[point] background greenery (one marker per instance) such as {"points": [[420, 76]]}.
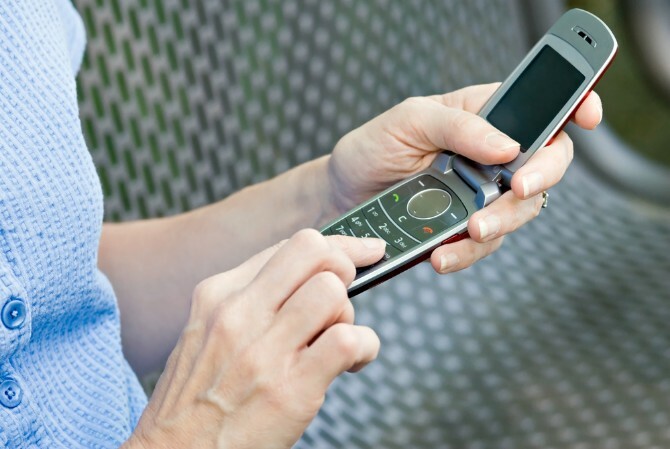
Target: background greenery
{"points": [[638, 114]]}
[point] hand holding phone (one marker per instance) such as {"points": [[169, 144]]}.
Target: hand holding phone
{"points": [[433, 206]]}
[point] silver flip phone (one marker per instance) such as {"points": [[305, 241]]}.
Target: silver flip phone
{"points": [[432, 207]]}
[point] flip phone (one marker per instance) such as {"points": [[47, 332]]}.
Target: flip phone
{"points": [[531, 106]]}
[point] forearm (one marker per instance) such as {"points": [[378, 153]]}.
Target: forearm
{"points": [[155, 264], [222, 235]]}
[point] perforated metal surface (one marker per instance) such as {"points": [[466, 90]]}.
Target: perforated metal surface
{"points": [[558, 341], [185, 102]]}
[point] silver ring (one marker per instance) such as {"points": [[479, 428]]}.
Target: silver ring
{"points": [[545, 199]]}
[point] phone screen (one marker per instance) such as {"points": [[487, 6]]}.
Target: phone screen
{"points": [[536, 97]]}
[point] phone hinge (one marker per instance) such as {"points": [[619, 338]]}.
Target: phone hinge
{"points": [[488, 181], [485, 180]]}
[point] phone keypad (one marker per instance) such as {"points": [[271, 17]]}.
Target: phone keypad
{"points": [[386, 228], [389, 217], [360, 226]]}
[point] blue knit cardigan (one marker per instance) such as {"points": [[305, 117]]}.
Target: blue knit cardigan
{"points": [[63, 379]]}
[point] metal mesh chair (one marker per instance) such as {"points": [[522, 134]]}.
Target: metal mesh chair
{"points": [[560, 340]]}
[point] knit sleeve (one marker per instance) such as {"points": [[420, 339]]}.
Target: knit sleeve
{"points": [[75, 34]]}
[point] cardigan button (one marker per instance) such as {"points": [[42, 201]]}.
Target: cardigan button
{"points": [[14, 313], [10, 393]]}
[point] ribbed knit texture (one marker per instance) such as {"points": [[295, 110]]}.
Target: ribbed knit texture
{"points": [[78, 390]]}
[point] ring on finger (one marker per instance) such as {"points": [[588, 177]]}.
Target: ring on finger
{"points": [[545, 199]]}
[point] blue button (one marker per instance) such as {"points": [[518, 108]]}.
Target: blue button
{"points": [[10, 393], [14, 313]]}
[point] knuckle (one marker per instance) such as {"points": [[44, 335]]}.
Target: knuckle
{"points": [[453, 99], [329, 283], [205, 296], [225, 324], [323, 258], [340, 241], [413, 103], [473, 256], [210, 293], [331, 287], [463, 121], [345, 341], [348, 268], [348, 311], [333, 258], [309, 238], [205, 289]]}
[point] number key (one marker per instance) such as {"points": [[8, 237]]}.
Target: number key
{"points": [[341, 228], [360, 226]]}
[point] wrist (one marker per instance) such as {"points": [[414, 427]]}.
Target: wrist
{"points": [[322, 192], [355, 174]]}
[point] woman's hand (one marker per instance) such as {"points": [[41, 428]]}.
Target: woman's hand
{"points": [[406, 139], [262, 344]]}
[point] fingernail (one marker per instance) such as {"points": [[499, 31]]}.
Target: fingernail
{"points": [[372, 243], [500, 141], [533, 183], [448, 261], [489, 226]]}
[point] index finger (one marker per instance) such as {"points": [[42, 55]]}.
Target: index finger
{"points": [[590, 112], [306, 254]]}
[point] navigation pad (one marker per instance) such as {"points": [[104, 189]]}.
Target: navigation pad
{"points": [[411, 213]]}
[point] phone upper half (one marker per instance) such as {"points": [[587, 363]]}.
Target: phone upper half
{"points": [[551, 81]]}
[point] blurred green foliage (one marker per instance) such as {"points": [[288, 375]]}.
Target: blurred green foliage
{"points": [[638, 114]]}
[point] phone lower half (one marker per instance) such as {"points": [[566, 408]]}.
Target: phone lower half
{"points": [[414, 217]]}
